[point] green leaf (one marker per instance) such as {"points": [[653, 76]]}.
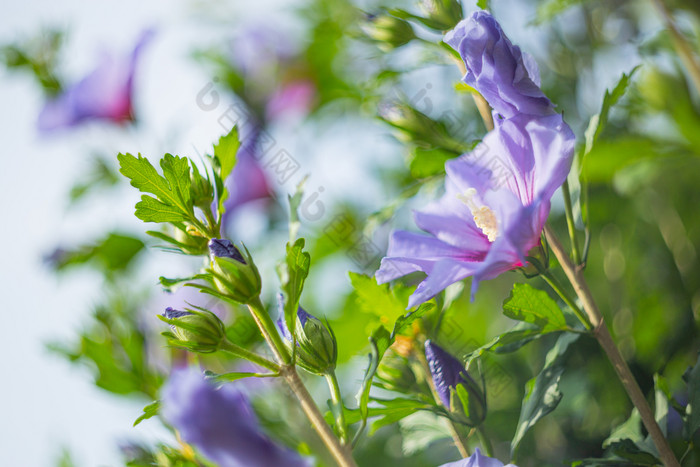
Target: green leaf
{"points": [[530, 305], [375, 299], [380, 341], [420, 429], [598, 121], [114, 253], [483, 4], [692, 411], [173, 203], [403, 323], [294, 202], [542, 394], [629, 451], [225, 152], [429, 162], [549, 9], [234, 376], [292, 273], [149, 411]]}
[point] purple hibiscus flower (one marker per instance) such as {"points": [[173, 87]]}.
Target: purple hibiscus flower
{"points": [[497, 197], [507, 77], [104, 94], [477, 460], [220, 423]]}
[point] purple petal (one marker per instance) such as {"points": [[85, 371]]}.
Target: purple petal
{"points": [[219, 423], [477, 460]]}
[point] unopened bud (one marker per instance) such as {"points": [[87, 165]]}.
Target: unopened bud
{"points": [[317, 349], [235, 274], [442, 15], [196, 330], [389, 31], [457, 391]]}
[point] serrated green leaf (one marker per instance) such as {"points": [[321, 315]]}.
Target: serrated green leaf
{"points": [[173, 203], [598, 121], [149, 411], [530, 305], [225, 152], [542, 394], [375, 299], [403, 323], [292, 273]]}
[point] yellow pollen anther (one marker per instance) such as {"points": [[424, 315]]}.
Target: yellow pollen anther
{"points": [[484, 217]]}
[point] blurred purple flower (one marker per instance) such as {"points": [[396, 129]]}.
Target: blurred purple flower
{"points": [[477, 460], [497, 197], [295, 97], [104, 94], [508, 78], [220, 423]]}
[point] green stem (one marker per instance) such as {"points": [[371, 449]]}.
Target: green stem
{"points": [[570, 222], [269, 331], [602, 334], [230, 347], [485, 442], [554, 284], [337, 399]]}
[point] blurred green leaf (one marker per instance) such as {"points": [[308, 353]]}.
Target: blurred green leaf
{"points": [[292, 273], [151, 410], [692, 411], [114, 253], [542, 394]]}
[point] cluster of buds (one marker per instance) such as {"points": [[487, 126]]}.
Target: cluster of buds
{"points": [[234, 274], [458, 392], [317, 349], [195, 330]]}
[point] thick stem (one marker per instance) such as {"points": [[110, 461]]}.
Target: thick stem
{"points": [[602, 334], [269, 332], [341, 454], [338, 403], [238, 351], [273, 339], [685, 52]]}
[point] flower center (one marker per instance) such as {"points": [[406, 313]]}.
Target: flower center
{"points": [[484, 217]]}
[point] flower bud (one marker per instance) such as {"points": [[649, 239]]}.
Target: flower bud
{"points": [[457, 391], [389, 31], [317, 349], [442, 14], [235, 275], [396, 373], [199, 331]]}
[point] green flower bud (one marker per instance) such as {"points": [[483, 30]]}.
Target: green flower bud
{"points": [[199, 331], [396, 373], [235, 275], [442, 15], [317, 349], [388, 31]]}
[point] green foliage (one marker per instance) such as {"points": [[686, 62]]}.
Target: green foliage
{"points": [[150, 411], [549, 9], [172, 190], [692, 411], [542, 394], [112, 254], [293, 272], [224, 158], [530, 305]]}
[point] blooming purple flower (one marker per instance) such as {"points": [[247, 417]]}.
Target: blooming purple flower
{"points": [[104, 94], [447, 372], [477, 460], [497, 197], [220, 423], [505, 76]]}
